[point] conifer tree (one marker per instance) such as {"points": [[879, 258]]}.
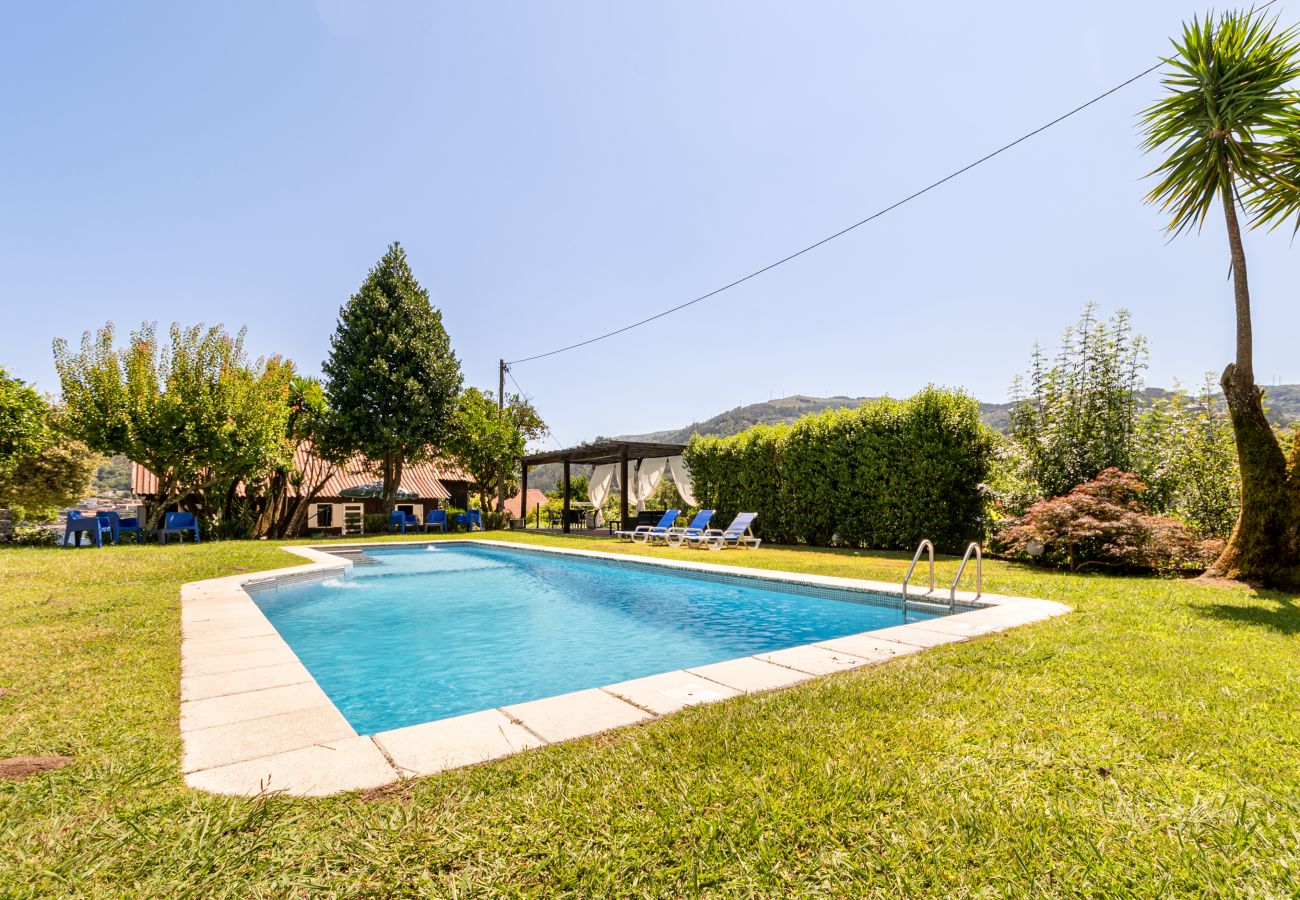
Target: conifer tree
{"points": [[391, 378]]}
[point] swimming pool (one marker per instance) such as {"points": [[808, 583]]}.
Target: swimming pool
{"points": [[427, 632]]}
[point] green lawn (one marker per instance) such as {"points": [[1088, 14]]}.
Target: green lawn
{"points": [[1147, 744]]}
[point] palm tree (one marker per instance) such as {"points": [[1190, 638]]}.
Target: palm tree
{"points": [[1228, 124]]}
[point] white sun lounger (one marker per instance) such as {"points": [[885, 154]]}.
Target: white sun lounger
{"points": [[737, 534]]}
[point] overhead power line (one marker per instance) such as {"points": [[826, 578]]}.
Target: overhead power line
{"points": [[523, 393], [858, 224]]}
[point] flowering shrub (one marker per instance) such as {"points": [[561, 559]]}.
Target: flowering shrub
{"points": [[1104, 522]]}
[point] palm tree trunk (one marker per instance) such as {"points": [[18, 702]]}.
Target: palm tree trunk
{"points": [[1245, 364], [1265, 544]]}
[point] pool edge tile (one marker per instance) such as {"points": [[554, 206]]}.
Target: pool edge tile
{"points": [[814, 660], [316, 770], [466, 740], [242, 681], [869, 647], [221, 745], [750, 675], [576, 714], [914, 634], [248, 706], [670, 692]]}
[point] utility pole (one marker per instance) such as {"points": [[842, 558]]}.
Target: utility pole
{"points": [[501, 411]]}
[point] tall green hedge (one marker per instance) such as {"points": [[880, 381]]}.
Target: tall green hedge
{"points": [[884, 475]]}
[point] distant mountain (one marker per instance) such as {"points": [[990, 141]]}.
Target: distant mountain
{"points": [[734, 421], [785, 411], [1283, 402]]}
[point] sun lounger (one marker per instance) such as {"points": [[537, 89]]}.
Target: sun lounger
{"points": [[677, 536], [737, 534], [643, 533]]}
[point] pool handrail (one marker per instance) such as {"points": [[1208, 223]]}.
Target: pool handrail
{"points": [[926, 545], [979, 574]]}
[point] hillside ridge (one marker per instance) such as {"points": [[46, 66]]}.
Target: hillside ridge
{"points": [[1282, 402]]}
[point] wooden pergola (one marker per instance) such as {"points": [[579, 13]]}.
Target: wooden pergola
{"points": [[599, 453]]}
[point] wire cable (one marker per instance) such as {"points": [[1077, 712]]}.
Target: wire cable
{"points": [[524, 394], [843, 231]]}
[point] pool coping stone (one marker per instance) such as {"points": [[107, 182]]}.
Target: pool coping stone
{"points": [[253, 719]]}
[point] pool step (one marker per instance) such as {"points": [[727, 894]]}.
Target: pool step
{"points": [[356, 557]]}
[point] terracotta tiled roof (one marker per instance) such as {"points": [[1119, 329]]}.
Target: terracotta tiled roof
{"points": [[142, 480], [535, 499], [425, 479]]}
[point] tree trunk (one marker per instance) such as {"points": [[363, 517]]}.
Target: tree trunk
{"points": [[1265, 544], [228, 507], [392, 474], [162, 500], [268, 519]]}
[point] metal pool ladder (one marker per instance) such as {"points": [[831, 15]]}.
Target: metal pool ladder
{"points": [[979, 574], [924, 545]]}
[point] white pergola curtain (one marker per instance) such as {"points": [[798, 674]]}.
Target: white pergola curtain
{"points": [[682, 478], [645, 480], [602, 479]]}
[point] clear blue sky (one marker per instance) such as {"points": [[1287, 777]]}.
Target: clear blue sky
{"points": [[556, 170]]}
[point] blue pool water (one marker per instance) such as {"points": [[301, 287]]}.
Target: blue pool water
{"points": [[431, 632]]}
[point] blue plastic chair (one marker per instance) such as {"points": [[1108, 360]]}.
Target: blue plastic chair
{"points": [[646, 532], [470, 519], [109, 519], [120, 526], [436, 518], [178, 523], [129, 525], [398, 519], [77, 525]]}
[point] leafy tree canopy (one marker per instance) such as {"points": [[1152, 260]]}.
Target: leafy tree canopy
{"points": [[287, 492], [391, 378], [57, 476], [488, 440], [24, 428], [193, 410], [1229, 118]]}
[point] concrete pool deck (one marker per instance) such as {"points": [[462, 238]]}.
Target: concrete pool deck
{"points": [[253, 719]]}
